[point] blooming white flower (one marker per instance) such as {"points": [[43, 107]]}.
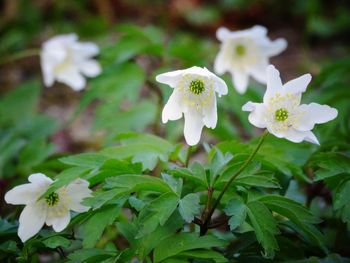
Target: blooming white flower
{"points": [[54, 209], [66, 60], [281, 112], [194, 95], [246, 53]]}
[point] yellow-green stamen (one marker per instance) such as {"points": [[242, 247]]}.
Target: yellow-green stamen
{"points": [[240, 50], [197, 86], [281, 114], [52, 199]]}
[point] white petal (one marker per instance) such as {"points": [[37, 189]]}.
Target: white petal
{"points": [[210, 117], [76, 192], [258, 71], [47, 71], [23, 194], [313, 113], [72, 78], [170, 78], [193, 127], [258, 31], [240, 81], [85, 49], [299, 136], [222, 33], [257, 113], [219, 84], [172, 109], [220, 65], [31, 220], [60, 222], [90, 68], [273, 48], [39, 178], [274, 83], [298, 85]]}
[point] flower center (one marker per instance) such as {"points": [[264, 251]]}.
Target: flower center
{"points": [[240, 50], [281, 114], [52, 199], [196, 86]]}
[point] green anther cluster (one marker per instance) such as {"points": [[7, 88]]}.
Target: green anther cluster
{"points": [[240, 50], [281, 114], [197, 86], [52, 199]]}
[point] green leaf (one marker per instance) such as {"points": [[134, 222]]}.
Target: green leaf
{"points": [[65, 177], [56, 241], [90, 255], [157, 213], [189, 207], [265, 227], [137, 183], [218, 163], [195, 173], [150, 241], [144, 148], [20, 103], [204, 254], [331, 164], [87, 160], [289, 208], [237, 210], [341, 201], [97, 223], [182, 242], [174, 183]]}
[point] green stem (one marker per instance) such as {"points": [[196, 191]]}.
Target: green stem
{"points": [[188, 155], [20, 55], [207, 219]]}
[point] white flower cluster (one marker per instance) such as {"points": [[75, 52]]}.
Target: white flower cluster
{"points": [[243, 54]]}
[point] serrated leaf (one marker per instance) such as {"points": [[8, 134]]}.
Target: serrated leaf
{"points": [[56, 241], [189, 207], [237, 210], [182, 242], [96, 224], [265, 227], [137, 183], [156, 213], [204, 254], [88, 160], [144, 148]]}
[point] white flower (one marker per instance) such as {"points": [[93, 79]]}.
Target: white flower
{"points": [[281, 112], [54, 209], [194, 95], [66, 60], [246, 53]]}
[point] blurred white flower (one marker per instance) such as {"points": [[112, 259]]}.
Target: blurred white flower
{"points": [[66, 60], [194, 95], [54, 209], [246, 53], [281, 112]]}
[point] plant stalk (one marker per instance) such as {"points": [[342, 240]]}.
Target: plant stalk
{"points": [[20, 55], [207, 219]]}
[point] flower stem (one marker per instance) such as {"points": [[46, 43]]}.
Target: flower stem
{"points": [[188, 155], [207, 218], [20, 55]]}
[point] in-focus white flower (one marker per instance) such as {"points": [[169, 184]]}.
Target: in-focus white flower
{"points": [[52, 210], [66, 60], [194, 95], [281, 112], [246, 53]]}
